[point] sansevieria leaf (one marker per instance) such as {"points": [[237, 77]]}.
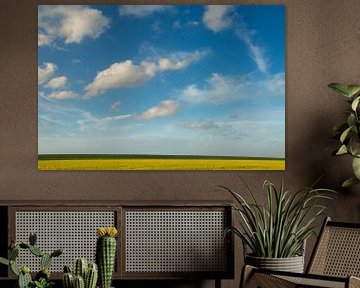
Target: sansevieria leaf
{"points": [[349, 182], [279, 228]]}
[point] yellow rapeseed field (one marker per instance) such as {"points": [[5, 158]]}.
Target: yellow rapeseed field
{"points": [[161, 164]]}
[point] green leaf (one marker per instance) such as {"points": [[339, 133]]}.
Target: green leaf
{"points": [[345, 134], [351, 120], [349, 182], [36, 251], [45, 261], [342, 150], [353, 89], [14, 268], [354, 145], [355, 103], [32, 238], [356, 167], [4, 261], [340, 88], [13, 253]]}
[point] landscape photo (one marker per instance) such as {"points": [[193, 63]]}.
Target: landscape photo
{"points": [[161, 87]]}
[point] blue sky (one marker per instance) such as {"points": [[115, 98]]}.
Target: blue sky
{"points": [[152, 79]]}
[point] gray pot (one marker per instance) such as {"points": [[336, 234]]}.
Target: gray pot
{"points": [[291, 264]]}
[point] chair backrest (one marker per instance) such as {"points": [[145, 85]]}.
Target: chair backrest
{"points": [[337, 251]]}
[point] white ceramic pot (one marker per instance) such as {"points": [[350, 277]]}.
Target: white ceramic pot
{"points": [[291, 264]]}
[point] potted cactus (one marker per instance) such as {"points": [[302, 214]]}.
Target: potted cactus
{"points": [[42, 278], [106, 254], [85, 275]]}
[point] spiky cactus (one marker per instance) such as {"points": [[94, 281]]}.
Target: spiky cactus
{"points": [[84, 274], [106, 254], [23, 273], [24, 280], [91, 276], [79, 282], [80, 267]]}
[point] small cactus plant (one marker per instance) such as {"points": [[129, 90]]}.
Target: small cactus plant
{"points": [[91, 276], [81, 267], [85, 275], [106, 254], [79, 282], [42, 278]]}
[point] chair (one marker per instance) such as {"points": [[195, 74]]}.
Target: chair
{"points": [[335, 262]]}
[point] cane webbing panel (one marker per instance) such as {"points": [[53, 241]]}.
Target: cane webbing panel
{"points": [[260, 280], [175, 241], [338, 252], [75, 231], [312, 282]]}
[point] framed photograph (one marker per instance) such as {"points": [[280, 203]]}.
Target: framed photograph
{"points": [[161, 87]]}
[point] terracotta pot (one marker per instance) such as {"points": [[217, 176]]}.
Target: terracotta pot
{"points": [[291, 264]]}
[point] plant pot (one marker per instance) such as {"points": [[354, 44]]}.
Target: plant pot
{"points": [[291, 264]]}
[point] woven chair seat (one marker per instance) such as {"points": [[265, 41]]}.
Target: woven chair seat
{"points": [[314, 282]]}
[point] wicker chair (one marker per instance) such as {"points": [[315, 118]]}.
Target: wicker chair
{"points": [[334, 263]]}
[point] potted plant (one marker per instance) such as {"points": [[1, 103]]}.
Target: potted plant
{"points": [[276, 233], [84, 274], [348, 132], [42, 278]]}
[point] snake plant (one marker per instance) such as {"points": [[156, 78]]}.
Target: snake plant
{"points": [[279, 228], [348, 133]]}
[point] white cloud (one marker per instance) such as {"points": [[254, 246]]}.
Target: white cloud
{"points": [[276, 83], [62, 95], [115, 107], [218, 89], [128, 74], [222, 89], [142, 10], [180, 60], [46, 120], [165, 108], [217, 17], [89, 121], [122, 74], [200, 125], [45, 72], [256, 52], [57, 82], [179, 25], [44, 40], [70, 23]]}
